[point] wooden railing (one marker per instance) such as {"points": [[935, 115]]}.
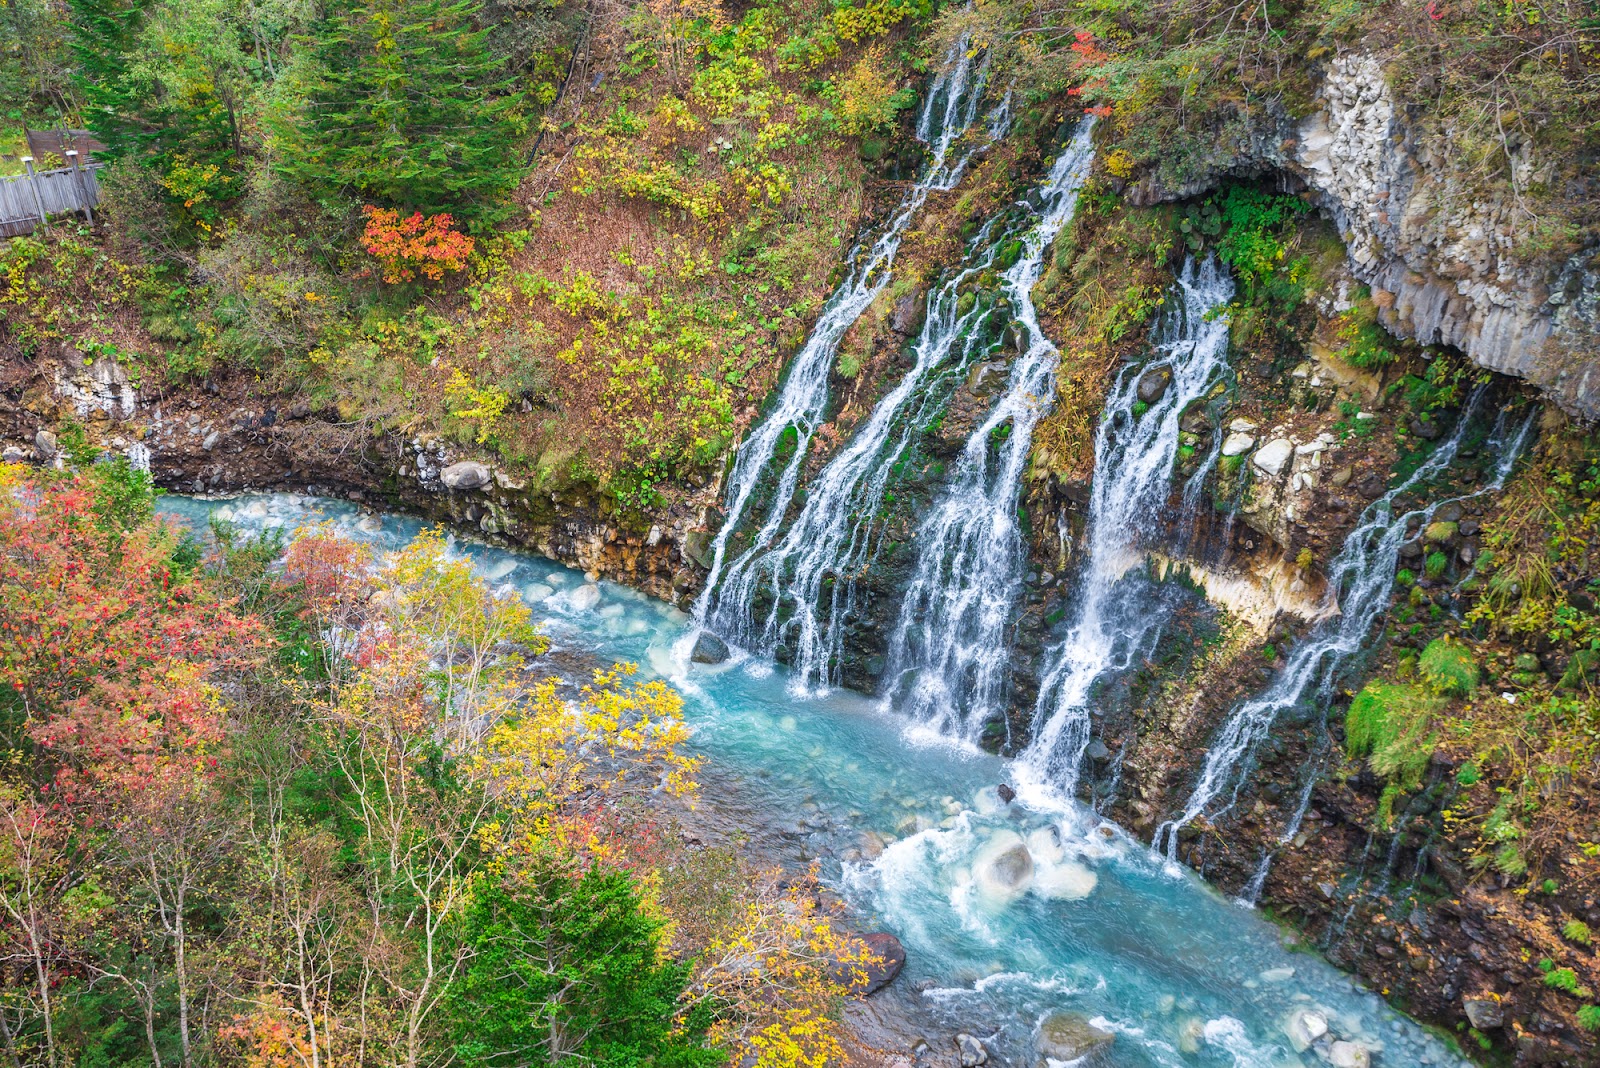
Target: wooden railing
{"points": [[28, 200]]}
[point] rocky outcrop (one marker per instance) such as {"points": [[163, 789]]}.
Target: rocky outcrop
{"points": [[1447, 261]]}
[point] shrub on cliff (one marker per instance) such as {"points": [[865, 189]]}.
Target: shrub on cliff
{"points": [[1449, 668]]}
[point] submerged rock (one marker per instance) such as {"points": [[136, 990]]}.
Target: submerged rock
{"points": [[1303, 1027], [585, 597], [1067, 881], [1066, 1036], [1003, 868], [709, 649], [1349, 1055]]}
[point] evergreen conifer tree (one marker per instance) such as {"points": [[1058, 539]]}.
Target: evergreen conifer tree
{"points": [[403, 103]]}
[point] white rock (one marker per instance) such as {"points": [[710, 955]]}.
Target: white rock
{"points": [[1349, 1055], [585, 597], [1271, 457], [536, 593], [1277, 975], [1237, 443], [1303, 1027], [971, 1050], [370, 524], [468, 474], [500, 570], [1003, 868], [1241, 425]]}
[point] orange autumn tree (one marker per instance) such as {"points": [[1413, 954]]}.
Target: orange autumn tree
{"points": [[404, 247], [108, 650]]}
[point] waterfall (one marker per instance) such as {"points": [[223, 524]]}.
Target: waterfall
{"points": [[947, 114], [1134, 457], [1364, 571], [830, 540], [948, 653]]}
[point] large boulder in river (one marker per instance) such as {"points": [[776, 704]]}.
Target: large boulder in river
{"points": [[1153, 384], [1003, 868], [1067, 1036], [466, 475], [709, 649]]}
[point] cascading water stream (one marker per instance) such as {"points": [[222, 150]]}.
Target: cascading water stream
{"points": [[947, 114], [1361, 579], [1134, 458], [812, 568], [831, 538], [948, 654]]}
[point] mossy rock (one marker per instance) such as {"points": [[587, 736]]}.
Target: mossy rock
{"points": [[874, 148], [1010, 253], [1582, 669], [1449, 668]]}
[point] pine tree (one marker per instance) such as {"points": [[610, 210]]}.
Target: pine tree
{"points": [[403, 103]]}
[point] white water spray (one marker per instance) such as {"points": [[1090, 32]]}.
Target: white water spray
{"points": [[948, 654], [1134, 458]]}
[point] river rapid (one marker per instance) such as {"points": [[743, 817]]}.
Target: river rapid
{"points": [[912, 832]]}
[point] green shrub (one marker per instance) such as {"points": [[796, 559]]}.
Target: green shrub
{"points": [[1589, 1018], [1449, 668], [1576, 931], [1435, 565], [1468, 774], [1391, 725], [1562, 979]]}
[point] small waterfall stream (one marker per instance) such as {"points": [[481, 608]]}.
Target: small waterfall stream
{"points": [[832, 537], [948, 654], [812, 568], [1135, 453], [947, 114], [1360, 580]]}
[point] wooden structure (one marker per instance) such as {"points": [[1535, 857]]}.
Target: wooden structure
{"points": [[28, 200]]}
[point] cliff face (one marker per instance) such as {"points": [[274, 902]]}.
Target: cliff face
{"points": [[1447, 263]]}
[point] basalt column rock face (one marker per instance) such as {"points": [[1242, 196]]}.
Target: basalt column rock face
{"points": [[1445, 256]]}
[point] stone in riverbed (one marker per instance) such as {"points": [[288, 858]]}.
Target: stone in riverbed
{"points": [[1303, 1027], [1349, 1055], [585, 597], [1006, 793], [709, 649], [889, 956], [466, 475], [1003, 868], [1153, 384], [1067, 1036], [971, 1051], [1067, 881]]}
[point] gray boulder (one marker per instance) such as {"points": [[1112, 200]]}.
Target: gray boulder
{"points": [[1272, 457], [466, 475], [1484, 1013], [971, 1051], [44, 443], [709, 649], [1153, 384]]}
